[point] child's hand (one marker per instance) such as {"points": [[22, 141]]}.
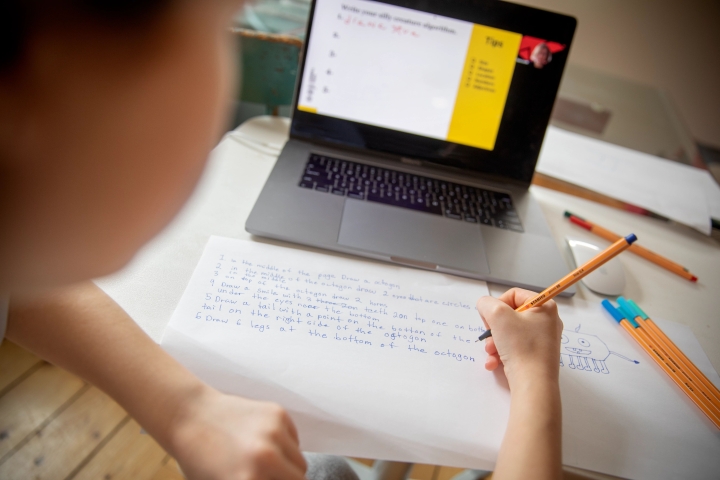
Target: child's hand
{"points": [[527, 344], [226, 437]]}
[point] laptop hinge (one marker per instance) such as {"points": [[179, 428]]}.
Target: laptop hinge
{"points": [[411, 161]]}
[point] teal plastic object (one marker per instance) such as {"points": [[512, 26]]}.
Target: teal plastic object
{"points": [[626, 307], [628, 314], [638, 310], [618, 314], [269, 66]]}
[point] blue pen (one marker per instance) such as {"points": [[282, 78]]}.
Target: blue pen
{"points": [[667, 364], [618, 315]]}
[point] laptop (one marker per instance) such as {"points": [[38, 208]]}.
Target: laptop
{"points": [[415, 132]]}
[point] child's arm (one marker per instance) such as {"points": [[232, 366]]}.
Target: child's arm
{"points": [[212, 435], [527, 345]]}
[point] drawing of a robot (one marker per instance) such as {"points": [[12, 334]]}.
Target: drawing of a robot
{"points": [[583, 351]]}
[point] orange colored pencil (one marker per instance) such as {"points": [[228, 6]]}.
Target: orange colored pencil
{"points": [[635, 248], [574, 276], [652, 327], [685, 375], [686, 387], [661, 345], [683, 370]]}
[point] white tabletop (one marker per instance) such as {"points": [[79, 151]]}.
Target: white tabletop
{"points": [[150, 287]]}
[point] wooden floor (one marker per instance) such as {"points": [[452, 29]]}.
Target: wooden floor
{"points": [[55, 426]]}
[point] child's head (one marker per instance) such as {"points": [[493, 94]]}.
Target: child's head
{"points": [[108, 110]]}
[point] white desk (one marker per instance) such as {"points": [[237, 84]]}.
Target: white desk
{"points": [[151, 286]]}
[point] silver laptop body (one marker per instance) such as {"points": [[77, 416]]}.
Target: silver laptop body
{"points": [[299, 204]]}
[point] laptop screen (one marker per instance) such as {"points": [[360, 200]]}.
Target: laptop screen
{"points": [[376, 75]]}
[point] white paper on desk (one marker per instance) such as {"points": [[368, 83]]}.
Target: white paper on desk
{"points": [[377, 401], [712, 194], [671, 189], [397, 375], [631, 421], [686, 341]]}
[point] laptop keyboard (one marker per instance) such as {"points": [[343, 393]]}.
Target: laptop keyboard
{"points": [[406, 190]]}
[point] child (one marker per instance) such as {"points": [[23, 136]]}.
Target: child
{"points": [[108, 110]]}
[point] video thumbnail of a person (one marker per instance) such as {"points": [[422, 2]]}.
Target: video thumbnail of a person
{"points": [[537, 52]]}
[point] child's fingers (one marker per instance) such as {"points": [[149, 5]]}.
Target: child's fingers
{"points": [[291, 451], [549, 308], [491, 308], [477, 306], [490, 346], [515, 297], [492, 362], [290, 426]]}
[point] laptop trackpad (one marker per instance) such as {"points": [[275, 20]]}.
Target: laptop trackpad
{"points": [[407, 234]]}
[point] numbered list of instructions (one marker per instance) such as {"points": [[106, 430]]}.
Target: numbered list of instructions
{"points": [[255, 292]]}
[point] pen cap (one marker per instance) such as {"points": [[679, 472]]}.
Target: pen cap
{"points": [[631, 238], [612, 310], [638, 311], [626, 308], [580, 222], [627, 312]]}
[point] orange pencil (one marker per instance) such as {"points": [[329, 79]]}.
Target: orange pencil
{"points": [[652, 327], [636, 249], [687, 387], [682, 364], [572, 277], [673, 360], [682, 371]]}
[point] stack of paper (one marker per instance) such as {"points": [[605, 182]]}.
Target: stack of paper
{"points": [[682, 193]]}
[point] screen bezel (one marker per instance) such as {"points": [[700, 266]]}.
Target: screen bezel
{"points": [[520, 135]]}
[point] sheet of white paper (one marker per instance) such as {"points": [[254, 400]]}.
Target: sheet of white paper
{"points": [[712, 194], [668, 188], [629, 420], [378, 361], [686, 341], [372, 360]]}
